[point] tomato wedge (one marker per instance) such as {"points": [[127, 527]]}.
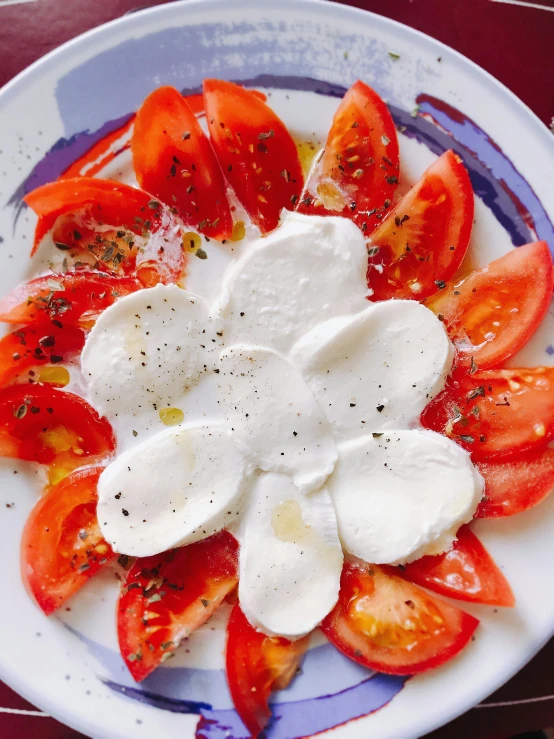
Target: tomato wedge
{"points": [[421, 242], [255, 150], [70, 298], [174, 161], [166, 596], [37, 345], [496, 413], [466, 572], [516, 484], [392, 626], [62, 547], [358, 173], [41, 424], [256, 665], [494, 311]]}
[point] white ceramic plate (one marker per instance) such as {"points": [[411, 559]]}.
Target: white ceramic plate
{"points": [[53, 113]]}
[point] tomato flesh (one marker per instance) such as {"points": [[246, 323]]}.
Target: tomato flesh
{"points": [[494, 311], [466, 572], [62, 547], [516, 484], [358, 172], [166, 596], [256, 665], [255, 151], [389, 625], [496, 413], [421, 242], [174, 161]]}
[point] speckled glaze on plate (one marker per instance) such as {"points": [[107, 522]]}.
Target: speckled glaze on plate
{"points": [[50, 116]]}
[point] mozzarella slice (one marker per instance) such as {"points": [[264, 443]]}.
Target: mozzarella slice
{"points": [[182, 485], [307, 271], [290, 557], [273, 415], [147, 349], [402, 494], [377, 369]]}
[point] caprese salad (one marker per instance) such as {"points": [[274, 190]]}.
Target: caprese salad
{"points": [[312, 445]]}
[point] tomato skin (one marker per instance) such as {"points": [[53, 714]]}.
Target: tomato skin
{"points": [[466, 572], [177, 591], [162, 156], [516, 484], [515, 411], [62, 547], [37, 344], [71, 298], [371, 599], [256, 665], [41, 424], [421, 242], [256, 152], [514, 291], [358, 173]]}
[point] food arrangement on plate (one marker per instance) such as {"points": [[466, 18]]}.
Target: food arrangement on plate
{"points": [[359, 413]]}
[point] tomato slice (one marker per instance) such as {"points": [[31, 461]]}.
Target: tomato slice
{"points": [[494, 311], [255, 150], [421, 242], [516, 484], [358, 173], [166, 596], [496, 413], [41, 424], [70, 298], [37, 345], [256, 665], [392, 626], [174, 161], [466, 572], [62, 547]]}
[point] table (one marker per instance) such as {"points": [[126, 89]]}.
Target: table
{"points": [[511, 39]]}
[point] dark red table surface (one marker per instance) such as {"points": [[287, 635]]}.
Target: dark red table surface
{"points": [[511, 39]]}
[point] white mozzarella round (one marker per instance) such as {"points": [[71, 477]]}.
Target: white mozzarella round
{"points": [[290, 557], [180, 486], [306, 271], [147, 349], [400, 495], [273, 415], [377, 369]]}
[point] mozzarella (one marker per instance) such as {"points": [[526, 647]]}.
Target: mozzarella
{"points": [[307, 271], [273, 415], [400, 495], [377, 369], [182, 485], [290, 557], [146, 350]]}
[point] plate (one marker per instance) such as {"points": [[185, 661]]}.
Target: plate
{"points": [[305, 54]]}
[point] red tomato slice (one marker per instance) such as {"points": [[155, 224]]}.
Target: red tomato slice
{"points": [[392, 626], [174, 161], [255, 150], [256, 665], [62, 547], [466, 572], [496, 413], [37, 345], [494, 311], [71, 298], [167, 596], [423, 239], [41, 424], [516, 484], [358, 173]]}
